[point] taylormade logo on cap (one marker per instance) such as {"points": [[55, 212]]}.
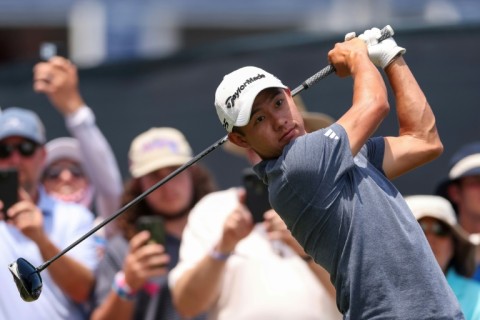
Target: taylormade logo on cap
{"points": [[235, 94], [230, 102]]}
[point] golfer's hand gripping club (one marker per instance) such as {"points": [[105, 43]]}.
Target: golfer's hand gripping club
{"points": [[385, 33]]}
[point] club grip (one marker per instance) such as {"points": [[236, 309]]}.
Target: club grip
{"points": [[386, 32]]}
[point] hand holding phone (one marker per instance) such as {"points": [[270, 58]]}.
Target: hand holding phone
{"points": [[154, 225], [8, 188], [256, 195]]}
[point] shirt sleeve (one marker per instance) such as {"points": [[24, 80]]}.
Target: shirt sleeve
{"points": [[110, 264], [319, 163], [100, 162], [203, 230], [78, 221], [375, 151]]}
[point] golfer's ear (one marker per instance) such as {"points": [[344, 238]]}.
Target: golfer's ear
{"points": [[237, 139]]}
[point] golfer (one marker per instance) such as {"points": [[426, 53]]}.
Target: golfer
{"points": [[332, 186]]}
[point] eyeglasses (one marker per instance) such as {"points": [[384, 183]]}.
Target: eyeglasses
{"points": [[54, 172], [27, 278], [25, 148], [437, 228]]}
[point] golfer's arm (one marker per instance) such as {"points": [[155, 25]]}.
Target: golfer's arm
{"points": [[418, 141], [198, 288], [114, 308], [74, 279], [369, 106]]}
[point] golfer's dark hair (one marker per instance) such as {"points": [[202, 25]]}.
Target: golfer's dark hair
{"points": [[203, 183]]}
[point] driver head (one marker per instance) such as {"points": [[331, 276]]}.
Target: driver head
{"points": [[27, 278]]}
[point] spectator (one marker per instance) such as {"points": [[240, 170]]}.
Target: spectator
{"points": [[454, 251], [462, 188], [268, 276], [139, 270], [39, 226], [82, 169], [332, 186]]}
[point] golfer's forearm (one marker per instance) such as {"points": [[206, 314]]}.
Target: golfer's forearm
{"points": [[114, 308], [416, 118], [413, 110], [198, 288], [74, 279]]}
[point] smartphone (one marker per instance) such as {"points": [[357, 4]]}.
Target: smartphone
{"points": [[257, 195], [154, 225], [8, 188], [48, 50]]}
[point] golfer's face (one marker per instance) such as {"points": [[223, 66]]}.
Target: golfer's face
{"points": [[274, 122]]}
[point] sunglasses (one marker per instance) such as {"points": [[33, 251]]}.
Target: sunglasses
{"points": [[436, 228], [25, 148], [54, 172], [27, 278]]}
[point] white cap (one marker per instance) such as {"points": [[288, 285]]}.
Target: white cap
{"points": [[158, 148], [235, 94], [63, 148]]}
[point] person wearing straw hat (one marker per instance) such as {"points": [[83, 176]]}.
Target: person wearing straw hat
{"points": [[453, 248], [263, 257], [132, 276]]}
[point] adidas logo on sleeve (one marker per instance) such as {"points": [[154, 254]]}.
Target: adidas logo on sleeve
{"points": [[331, 134]]}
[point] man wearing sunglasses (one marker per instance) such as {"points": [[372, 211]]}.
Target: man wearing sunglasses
{"points": [[37, 226]]}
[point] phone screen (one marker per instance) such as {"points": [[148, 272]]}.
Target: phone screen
{"points": [[48, 50], [8, 187], [257, 195], [154, 225]]}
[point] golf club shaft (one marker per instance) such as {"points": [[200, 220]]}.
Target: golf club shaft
{"points": [[386, 32], [134, 201]]}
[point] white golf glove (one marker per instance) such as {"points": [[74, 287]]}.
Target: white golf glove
{"points": [[380, 53], [383, 53]]}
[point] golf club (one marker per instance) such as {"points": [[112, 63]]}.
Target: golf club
{"points": [[27, 277]]}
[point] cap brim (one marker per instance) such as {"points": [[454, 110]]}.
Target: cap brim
{"points": [[157, 165], [20, 133]]}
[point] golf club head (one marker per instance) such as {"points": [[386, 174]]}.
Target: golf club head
{"points": [[27, 278]]}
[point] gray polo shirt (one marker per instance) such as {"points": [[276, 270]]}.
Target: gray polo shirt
{"points": [[352, 220]]}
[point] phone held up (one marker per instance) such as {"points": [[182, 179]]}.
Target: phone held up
{"points": [[48, 50], [8, 188], [256, 195], [154, 225]]}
